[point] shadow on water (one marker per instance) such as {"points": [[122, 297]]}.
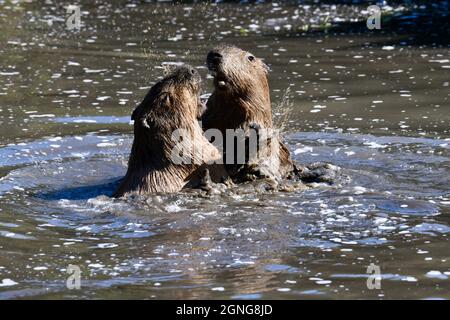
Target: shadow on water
{"points": [[82, 192]]}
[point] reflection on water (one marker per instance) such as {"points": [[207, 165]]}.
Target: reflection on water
{"points": [[356, 101]]}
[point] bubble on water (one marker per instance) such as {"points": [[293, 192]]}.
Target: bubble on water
{"points": [[87, 70], [48, 115], [106, 144], [40, 268], [218, 289], [12, 73], [359, 190], [240, 262], [434, 274], [107, 245], [409, 279], [315, 279], [103, 98], [291, 281], [303, 150], [173, 208], [8, 283], [374, 145], [15, 235]]}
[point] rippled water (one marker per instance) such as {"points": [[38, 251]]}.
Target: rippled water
{"points": [[374, 104]]}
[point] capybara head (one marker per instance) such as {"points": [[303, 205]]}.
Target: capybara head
{"points": [[241, 100], [171, 104], [241, 90], [176, 95], [237, 71]]}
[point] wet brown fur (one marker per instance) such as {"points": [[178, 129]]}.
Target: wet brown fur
{"points": [[172, 103], [243, 100]]}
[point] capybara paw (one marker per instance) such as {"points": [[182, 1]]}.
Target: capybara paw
{"points": [[318, 172], [206, 183], [249, 172]]}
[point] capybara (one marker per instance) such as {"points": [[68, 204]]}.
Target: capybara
{"points": [[156, 164], [241, 100]]}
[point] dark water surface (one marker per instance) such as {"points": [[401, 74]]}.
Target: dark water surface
{"points": [[375, 104]]}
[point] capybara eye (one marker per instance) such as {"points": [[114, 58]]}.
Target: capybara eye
{"points": [[251, 58]]}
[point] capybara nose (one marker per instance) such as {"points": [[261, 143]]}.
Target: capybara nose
{"points": [[213, 58]]}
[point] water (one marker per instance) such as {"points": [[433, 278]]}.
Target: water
{"points": [[374, 104]]}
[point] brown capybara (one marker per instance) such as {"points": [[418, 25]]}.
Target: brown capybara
{"points": [[241, 100], [161, 161]]}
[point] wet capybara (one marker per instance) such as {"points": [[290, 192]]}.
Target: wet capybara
{"points": [[161, 161], [241, 100]]}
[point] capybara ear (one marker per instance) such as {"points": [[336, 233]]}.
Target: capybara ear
{"points": [[144, 122], [135, 112], [137, 116]]}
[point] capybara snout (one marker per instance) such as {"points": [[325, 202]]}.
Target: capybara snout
{"points": [[214, 59], [235, 69], [185, 74]]}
